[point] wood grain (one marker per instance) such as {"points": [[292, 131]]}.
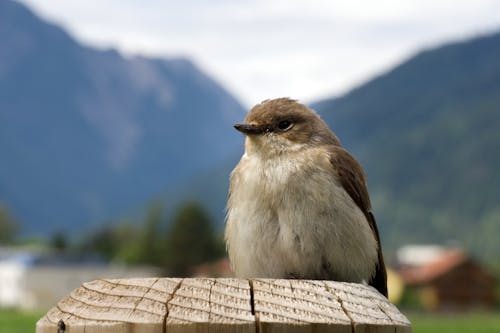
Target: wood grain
{"points": [[297, 306], [173, 305], [363, 305]]}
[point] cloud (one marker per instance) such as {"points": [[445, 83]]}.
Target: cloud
{"points": [[260, 49]]}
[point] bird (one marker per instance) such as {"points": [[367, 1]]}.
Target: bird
{"points": [[298, 205]]}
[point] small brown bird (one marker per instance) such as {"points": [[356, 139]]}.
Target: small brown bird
{"points": [[298, 204]]}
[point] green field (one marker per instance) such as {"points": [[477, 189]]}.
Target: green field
{"points": [[488, 322], [18, 322], [481, 322]]}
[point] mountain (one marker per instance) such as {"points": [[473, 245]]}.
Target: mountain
{"points": [[87, 134], [428, 134]]}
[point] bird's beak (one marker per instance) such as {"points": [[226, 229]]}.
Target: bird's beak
{"points": [[248, 129]]}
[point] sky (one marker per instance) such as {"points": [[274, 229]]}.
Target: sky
{"points": [[259, 49]]}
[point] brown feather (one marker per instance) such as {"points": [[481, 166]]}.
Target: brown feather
{"points": [[353, 180]]}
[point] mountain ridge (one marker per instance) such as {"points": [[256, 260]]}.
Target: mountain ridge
{"points": [[88, 134]]}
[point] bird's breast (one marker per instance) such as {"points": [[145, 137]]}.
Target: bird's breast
{"points": [[291, 215]]}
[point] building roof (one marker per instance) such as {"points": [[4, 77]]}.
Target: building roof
{"points": [[419, 254], [440, 265]]}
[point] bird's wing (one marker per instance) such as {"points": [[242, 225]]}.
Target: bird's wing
{"points": [[353, 180]]}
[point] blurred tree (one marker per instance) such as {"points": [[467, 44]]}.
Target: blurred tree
{"points": [[152, 243], [101, 242], [148, 245], [126, 245], [112, 242], [8, 226], [191, 240], [59, 242]]}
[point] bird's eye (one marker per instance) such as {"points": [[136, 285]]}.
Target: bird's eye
{"points": [[285, 125]]}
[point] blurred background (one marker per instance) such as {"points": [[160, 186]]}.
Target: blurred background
{"points": [[116, 138]]}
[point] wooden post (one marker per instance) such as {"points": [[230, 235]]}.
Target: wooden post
{"points": [[172, 305]]}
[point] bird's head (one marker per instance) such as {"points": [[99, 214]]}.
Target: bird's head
{"points": [[283, 125]]}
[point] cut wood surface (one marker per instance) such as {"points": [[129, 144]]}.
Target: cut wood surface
{"points": [[157, 305]]}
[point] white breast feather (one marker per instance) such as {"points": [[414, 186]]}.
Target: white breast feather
{"points": [[290, 216]]}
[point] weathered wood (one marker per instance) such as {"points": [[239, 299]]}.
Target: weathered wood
{"points": [[368, 310], [297, 306], [223, 305]]}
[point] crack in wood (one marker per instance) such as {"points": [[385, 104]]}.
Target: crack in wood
{"points": [[177, 287], [327, 287], [252, 307]]}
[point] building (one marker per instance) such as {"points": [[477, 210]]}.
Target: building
{"points": [[30, 280], [446, 279]]}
